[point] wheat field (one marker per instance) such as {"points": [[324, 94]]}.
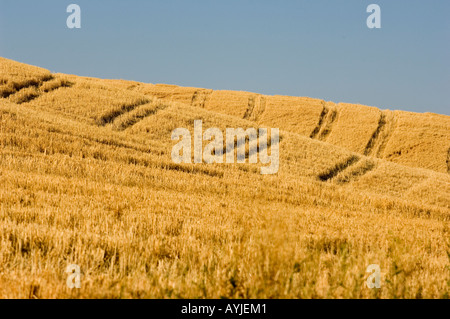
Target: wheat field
{"points": [[86, 178]]}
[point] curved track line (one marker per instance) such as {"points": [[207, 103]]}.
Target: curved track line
{"points": [[329, 121], [322, 116], [138, 115], [250, 107], [199, 98], [260, 109], [110, 116], [335, 170], [356, 172], [255, 109], [381, 136], [38, 89], [374, 138], [390, 128]]}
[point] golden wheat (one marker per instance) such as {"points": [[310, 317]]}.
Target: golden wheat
{"points": [[86, 178]]}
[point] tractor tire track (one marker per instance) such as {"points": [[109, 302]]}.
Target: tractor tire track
{"points": [[322, 116], [260, 109], [255, 108], [340, 167], [110, 116], [356, 172], [11, 88], [250, 107], [199, 98], [374, 138], [33, 89], [254, 145], [329, 122], [130, 119], [381, 136], [390, 128]]}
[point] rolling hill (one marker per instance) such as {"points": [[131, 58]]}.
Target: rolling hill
{"points": [[87, 178]]}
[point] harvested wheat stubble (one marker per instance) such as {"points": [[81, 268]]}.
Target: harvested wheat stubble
{"points": [[108, 197]]}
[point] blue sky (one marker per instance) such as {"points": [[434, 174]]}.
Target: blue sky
{"points": [[319, 48]]}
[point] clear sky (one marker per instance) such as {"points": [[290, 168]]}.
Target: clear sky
{"points": [[319, 48]]}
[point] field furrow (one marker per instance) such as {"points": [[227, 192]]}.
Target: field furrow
{"points": [[338, 168], [329, 121], [322, 116]]}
